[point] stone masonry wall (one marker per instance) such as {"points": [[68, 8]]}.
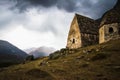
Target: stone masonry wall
{"points": [[89, 39], [74, 36], [108, 32]]}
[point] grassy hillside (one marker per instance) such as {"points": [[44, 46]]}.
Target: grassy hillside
{"points": [[98, 62]]}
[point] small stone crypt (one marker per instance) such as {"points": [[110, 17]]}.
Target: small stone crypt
{"points": [[85, 31]]}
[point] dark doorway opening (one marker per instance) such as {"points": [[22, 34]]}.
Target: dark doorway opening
{"points": [[111, 30], [119, 31], [73, 41]]}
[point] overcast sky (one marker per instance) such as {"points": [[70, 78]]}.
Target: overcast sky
{"points": [[35, 23]]}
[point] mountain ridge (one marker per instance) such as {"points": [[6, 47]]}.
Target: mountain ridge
{"points": [[40, 51], [10, 54]]}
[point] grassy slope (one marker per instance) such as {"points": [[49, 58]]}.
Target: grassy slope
{"points": [[98, 62]]}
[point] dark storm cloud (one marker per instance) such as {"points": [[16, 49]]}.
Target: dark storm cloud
{"points": [[87, 7], [68, 5], [101, 7], [91, 8], [25, 4], [95, 8]]}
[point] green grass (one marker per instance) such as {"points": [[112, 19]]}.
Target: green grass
{"points": [[98, 62]]}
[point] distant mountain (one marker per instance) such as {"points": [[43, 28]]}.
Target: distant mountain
{"points": [[9, 54], [40, 52], [30, 50]]}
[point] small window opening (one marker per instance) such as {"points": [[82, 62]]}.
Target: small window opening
{"points": [[119, 31], [111, 30], [73, 41]]}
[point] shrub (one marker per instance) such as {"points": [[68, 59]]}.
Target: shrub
{"points": [[55, 55], [30, 57]]}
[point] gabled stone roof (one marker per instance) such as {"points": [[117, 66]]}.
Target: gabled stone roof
{"points": [[112, 16], [87, 25]]}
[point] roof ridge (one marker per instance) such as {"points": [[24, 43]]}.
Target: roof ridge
{"points": [[86, 24], [78, 15]]}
